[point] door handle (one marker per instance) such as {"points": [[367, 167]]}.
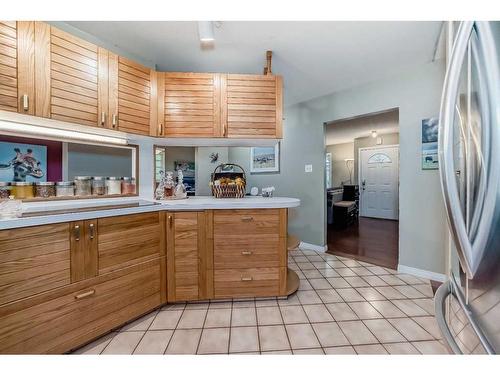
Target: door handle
{"points": [[245, 252], [170, 221], [246, 278], [26, 104], [363, 184], [92, 230], [160, 129], [247, 218], [76, 232], [114, 120], [103, 118]]}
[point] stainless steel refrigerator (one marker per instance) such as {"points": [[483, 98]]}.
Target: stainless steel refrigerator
{"points": [[468, 304]]}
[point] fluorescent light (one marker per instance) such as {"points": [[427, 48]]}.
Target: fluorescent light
{"points": [[206, 31], [374, 134], [20, 129]]}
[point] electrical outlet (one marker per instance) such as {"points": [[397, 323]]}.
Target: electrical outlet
{"points": [[308, 168]]}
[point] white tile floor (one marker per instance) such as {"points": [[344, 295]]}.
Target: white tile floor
{"points": [[343, 306]]}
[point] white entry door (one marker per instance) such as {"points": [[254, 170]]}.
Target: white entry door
{"points": [[379, 182]]}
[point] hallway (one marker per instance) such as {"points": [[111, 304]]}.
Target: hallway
{"points": [[368, 240]]}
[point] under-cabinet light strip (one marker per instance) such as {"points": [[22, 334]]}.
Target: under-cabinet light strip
{"points": [[20, 129]]}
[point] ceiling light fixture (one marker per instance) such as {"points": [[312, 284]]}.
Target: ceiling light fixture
{"points": [[206, 31], [374, 134]]}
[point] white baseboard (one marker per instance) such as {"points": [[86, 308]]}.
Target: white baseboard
{"points": [[422, 273], [310, 246]]}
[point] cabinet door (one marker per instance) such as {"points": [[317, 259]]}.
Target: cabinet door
{"points": [[74, 79], [83, 249], [132, 92], [252, 106], [129, 239], [17, 76], [33, 260], [187, 254], [191, 105]]}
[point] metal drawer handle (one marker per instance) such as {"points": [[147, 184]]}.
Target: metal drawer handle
{"points": [[246, 218], [26, 104], [245, 252], [246, 278], [85, 294], [114, 120], [92, 231], [103, 118], [77, 232]]}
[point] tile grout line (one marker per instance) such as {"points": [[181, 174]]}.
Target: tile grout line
{"points": [[175, 329]]}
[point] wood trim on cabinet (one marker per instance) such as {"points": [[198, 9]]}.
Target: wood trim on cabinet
{"points": [[217, 106], [223, 111], [26, 65], [102, 87], [42, 69], [160, 94], [170, 257], [113, 88], [202, 256], [279, 107], [153, 103]]}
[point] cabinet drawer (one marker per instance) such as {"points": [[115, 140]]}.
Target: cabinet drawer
{"points": [[70, 316], [247, 222], [246, 251], [248, 282], [33, 260], [129, 239]]}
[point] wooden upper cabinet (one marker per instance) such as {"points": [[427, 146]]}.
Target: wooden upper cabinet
{"points": [[252, 106], [189, 105], [74, 79], [132, 95], [17, 74]]}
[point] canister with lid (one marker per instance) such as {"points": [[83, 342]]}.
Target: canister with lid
{"points": [[65, 189], [128, 185], [83, 186], [114, 185], [5, 190], [99, 186], [45, 189], [22, 190]]}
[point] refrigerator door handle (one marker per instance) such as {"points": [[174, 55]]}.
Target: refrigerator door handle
{"points": [[440, 307], [445, 138], [451, 287]]}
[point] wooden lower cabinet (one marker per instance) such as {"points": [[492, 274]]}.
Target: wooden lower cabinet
{"points": [[249, 252], [65, 318], [189, 276]]}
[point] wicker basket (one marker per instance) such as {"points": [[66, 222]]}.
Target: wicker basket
{"points": [[228, 191]]}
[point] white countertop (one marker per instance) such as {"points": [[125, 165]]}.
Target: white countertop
{"points": [[190, 204]]}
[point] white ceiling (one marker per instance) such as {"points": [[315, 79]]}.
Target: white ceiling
{"points": [[314, 58], [345, 131]]}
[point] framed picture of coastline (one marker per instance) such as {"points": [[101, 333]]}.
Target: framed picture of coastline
{"points": [[265, 159], [22, 162]]}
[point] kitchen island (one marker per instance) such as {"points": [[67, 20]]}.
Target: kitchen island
{"points": [[74, 271]]}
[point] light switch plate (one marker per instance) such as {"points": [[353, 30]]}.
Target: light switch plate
{"points": [[308, 168]]}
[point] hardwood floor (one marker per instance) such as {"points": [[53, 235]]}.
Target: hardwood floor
{"points": [[369, 240]]}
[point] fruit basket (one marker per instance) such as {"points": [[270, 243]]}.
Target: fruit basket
{"points": [[226, 183]]}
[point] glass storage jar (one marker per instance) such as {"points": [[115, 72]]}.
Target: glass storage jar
{"points": [[114, 185], [128, 185], [99, 186], [65, 189], [83, 186], [22, 190], [45, 189], [5, 190]]}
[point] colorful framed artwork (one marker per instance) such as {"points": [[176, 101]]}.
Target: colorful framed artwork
{"points": [[20, 162]]}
